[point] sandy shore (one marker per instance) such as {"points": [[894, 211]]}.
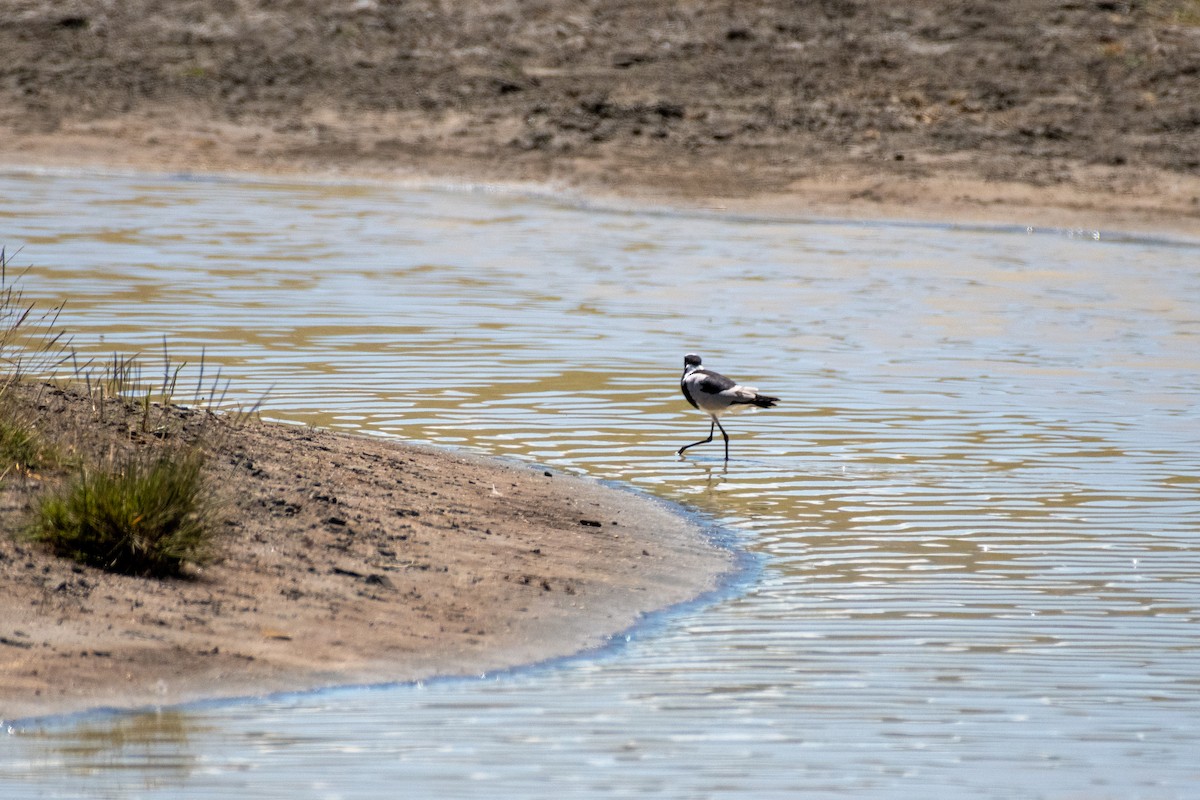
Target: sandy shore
{"points": [[1143, 201], [1029, 112], [342, 560]]}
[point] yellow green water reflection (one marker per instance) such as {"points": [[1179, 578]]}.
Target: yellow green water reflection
{"points": [[977, 505]]}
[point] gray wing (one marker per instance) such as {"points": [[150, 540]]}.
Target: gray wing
{"points": [[713, 382]]}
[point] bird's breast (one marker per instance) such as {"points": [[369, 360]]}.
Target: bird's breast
{"points": [[687, 394]]}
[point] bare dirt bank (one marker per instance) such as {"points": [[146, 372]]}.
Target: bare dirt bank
{"points": [[1045, 112], [341, 559]]}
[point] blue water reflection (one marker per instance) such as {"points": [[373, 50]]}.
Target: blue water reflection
{"points": [[977, 508]]}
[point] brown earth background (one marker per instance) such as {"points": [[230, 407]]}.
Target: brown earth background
{"points": [[1029, 111]]}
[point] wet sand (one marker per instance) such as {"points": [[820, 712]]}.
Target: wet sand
{"points": [[341, 559], [1095, 199], [1031, 112]]}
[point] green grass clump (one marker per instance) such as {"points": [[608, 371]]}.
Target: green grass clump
{"points": [[28, 339], [140, 517], [147, 514], [20, 445]]}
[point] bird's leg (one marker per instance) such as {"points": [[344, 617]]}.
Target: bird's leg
{"points": [[724, 434], [679, 452]]}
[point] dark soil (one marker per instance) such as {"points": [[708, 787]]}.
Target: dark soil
{"points": [[849, 100]]}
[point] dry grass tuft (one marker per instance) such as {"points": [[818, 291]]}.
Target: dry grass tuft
{"points": [[145, 507]]}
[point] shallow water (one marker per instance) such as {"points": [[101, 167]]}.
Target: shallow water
{"points": [[977, 510]]}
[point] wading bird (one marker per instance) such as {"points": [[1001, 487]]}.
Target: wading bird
{"points": [[714, 394]]}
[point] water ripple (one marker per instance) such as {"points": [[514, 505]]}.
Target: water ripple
{"points": [[977, 506]]}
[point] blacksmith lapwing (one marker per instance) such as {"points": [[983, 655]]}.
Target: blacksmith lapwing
{"points": [[714, 394]]}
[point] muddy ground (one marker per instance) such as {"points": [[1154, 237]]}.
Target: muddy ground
{"points": [[1032, 111]]}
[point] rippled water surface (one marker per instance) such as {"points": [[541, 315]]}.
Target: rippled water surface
{"points": [[977, 510]]}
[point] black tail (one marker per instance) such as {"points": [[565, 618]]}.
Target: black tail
{"points": [[760, 400]]}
